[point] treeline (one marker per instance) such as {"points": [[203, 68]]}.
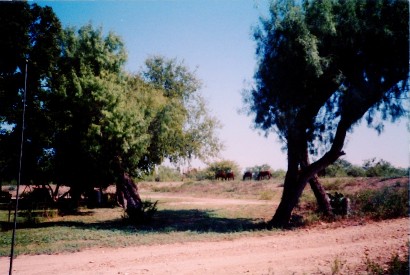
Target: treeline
{"points": [[370, 168], [341, 168]]}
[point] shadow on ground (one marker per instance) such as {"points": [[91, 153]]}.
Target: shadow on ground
{"points": [[162, 221]]}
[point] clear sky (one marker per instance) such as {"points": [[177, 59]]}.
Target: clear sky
{"points": [[215, 39]]}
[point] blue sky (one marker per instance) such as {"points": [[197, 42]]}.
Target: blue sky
{"points": [[215, 39]]}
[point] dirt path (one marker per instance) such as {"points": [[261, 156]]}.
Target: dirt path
{"points": [[303, 251]]}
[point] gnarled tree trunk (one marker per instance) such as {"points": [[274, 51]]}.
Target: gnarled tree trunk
{"points": [[318, 190], [321, 196], [128, 196], [295, 181]]}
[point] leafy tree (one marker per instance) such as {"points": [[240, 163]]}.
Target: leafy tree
{"points": [[113, 126], [319, 73], [186, 114], [30, 38]]}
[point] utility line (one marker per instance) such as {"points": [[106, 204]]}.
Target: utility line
{"points": [[19, 175]]}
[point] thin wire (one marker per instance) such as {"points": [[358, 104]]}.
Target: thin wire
{"points": [[19, 176]]}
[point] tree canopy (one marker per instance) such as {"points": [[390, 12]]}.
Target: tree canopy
{"points": [[91, 123], [30, 38], [322, 66]]}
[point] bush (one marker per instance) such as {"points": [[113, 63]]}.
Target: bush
{"points": [[382, 168], [395, 266], [387, 203], [143, 215]]}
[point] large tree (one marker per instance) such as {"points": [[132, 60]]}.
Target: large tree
{"points": [[30, 39], [90, 123], [114, 126], [322, 67]]}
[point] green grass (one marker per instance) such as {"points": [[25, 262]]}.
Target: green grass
{"points": [[106, 228]]}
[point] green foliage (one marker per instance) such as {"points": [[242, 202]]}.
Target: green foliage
{"points": [[382, 168], [91, 121], [387, 203], [370, 168], [398, 266], [95, 108], [343, 168], [184, 128], [319, 74], [30, 37]]}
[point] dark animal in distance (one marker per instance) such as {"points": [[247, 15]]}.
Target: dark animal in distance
{"points": [[220, 175], [229, 176], [247, 176], [264, 175]]}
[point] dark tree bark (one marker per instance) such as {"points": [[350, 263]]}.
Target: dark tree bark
{"points": [[127, 194], [295, 181], [320, 193], [321, 196]]}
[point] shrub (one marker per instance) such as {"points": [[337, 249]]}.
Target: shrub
{"points": [[387, 203], [395, 266], [382, 168], [143, 215]]}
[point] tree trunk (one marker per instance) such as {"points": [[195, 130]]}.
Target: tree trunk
{"points": [[290, 198], [320, 193], [295, 182], [128, 196], [322, 198], [292, 189]]}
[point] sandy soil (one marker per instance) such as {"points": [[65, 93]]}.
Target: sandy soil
{"points": [[304, 251]]}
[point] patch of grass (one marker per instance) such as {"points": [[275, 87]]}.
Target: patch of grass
{"points": [[335, 184], [267, 195], [373, 268], [106, 228], [398, 266], [337, 266], [395, 266]]}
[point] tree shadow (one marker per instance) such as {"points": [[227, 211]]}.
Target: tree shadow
{"points": [[163, 221]]}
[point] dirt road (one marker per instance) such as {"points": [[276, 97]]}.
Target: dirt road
{"points": [[303, 251]]}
